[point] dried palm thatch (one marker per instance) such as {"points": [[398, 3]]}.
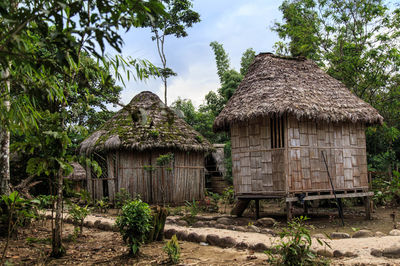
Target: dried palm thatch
{"points": [[297, 86], [79, 172], [144, 124]]}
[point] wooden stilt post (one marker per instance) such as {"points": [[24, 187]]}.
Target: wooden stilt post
{"points": [[305, 208], [289, 213], [367, 204], [257, 202]]}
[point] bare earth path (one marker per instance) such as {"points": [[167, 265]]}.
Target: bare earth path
{"points": [[360, 246]]}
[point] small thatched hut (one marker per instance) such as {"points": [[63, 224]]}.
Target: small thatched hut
{"points": [[148, 150], [77, 177], [284, 118]]}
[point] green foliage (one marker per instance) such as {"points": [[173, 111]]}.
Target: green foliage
{"points": [[154, 133], [295, 246], [159, 217], [211, 201], [122, 197], [228, 162], [228, 196], [78, 215], [221, 58], [386, 189], [165, 159], [173, 250], [14, 213], [247, 58], [134, 224], [193, 208], [103, 205]]}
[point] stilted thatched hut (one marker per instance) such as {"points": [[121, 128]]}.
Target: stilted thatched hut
{"points": [[284, 118], [148, 150]]}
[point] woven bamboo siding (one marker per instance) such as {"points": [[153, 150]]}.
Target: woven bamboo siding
{"points": [[256, 168], [181, 180], [344, 147]]}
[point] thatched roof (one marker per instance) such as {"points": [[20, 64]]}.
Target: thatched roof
{"points": [[79, 172], [144, 124], [297, 86]]}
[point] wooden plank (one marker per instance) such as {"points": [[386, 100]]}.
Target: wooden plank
{"points": [[339, 196]]}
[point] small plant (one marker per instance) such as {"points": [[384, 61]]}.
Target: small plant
{"points": [[148, 168], [122, 197], [154, 133], [78, 215], [211, 201], [103, 205], [295, 245], [85, 197], [164, 159], [176, 211], [192, 207], [173, 250], [134, 224], [199, 138]]}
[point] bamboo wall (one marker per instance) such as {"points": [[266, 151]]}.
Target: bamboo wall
{"points": [[256, 168], [344, 147], [138, 173], [297, 167]]}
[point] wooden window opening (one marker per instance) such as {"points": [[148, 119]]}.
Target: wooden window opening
{"points": [[277, 132]]}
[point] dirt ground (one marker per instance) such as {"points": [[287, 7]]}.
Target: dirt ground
{"points": [[107, 248]]}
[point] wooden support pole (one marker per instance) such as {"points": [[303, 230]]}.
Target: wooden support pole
{"points": [[367, 203], [289, 210], [257, 202], [305, 208]]}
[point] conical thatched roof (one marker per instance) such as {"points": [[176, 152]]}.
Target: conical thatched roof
{"points": [[144, 124], [79, 172], [278, 85]]}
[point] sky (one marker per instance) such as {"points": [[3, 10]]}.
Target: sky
{"points": [[237, 24]]}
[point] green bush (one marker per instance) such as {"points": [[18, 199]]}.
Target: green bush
{"points": [[103, 205], [134, 224], [295, 246], [386, 189], [78, 215], [122, 197], [173, 250]]}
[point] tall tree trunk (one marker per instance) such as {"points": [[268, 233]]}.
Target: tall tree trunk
{"points": [[57, 248], [5, 143], [165, 90]]}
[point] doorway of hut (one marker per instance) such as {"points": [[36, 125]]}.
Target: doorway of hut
{"points": [[99, 184], [215, 180]]}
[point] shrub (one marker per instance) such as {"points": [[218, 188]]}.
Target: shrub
{"points": [[134, 224], [78, 215], [294, 246], [173, 250], [122, 197], [102, 205]]}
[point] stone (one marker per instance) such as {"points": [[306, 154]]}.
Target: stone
{"points": [[212, 223], [224, 220], [231, 227], [339, 235], [265, 222], [106, 226], [226, 242], [212, 239], [169, 233], [350, 254], [253, 228], [260, 247], [319, 236], [97, 223], [194, 237], [392, 252], [203, 238], [376, 252], [379, 234], [241, 229], [268, 231], [89, 224], [182, 235], [338, 254], [182, 223], [221, 226], [325, 253], [198, 224], [242, 245], [363, 233], [394, 232]]}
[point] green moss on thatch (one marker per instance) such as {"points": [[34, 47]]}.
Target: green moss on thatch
{"points": [[145, 123]]}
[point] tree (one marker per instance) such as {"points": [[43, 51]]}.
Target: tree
{"points": [[180, 17], [357, 42], [247, 58], [41, 43]]}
